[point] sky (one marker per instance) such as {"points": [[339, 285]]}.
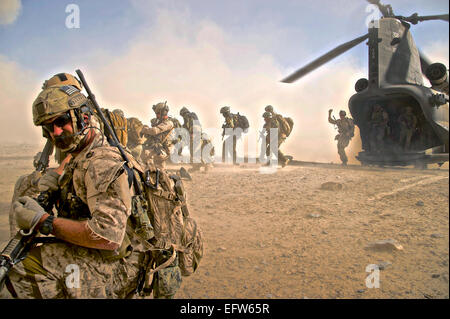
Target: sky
{"points": [[202, 54]]}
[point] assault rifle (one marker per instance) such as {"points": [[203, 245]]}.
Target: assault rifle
{"points": [[18, 247], [138, 201], [14, 252], [42, 164]]}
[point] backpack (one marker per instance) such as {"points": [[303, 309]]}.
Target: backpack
{"points": [[169, 215], [242, 122], [134, 127], [119, 124], [176, 123], [286, 124]]}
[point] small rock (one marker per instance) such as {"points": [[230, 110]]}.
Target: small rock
{"points": [[269, 296], [420, 203], [360, 291], [387, 244], [435, 276], [437, 236], [377, 212], [351, 212], [383, 265], [220, 249], [314, 215], [324, 232], [331, 186]]}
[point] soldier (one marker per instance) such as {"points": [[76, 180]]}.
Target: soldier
{"points": [[272, 123], [378, 127], [159, 136], [93, 202], [346, 131], [135, 139], [231, 122], [408, 125], [208, 152], [192, 125]]}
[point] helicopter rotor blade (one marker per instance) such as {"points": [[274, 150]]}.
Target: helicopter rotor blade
{"points": [[415, 18], [324, 59]]}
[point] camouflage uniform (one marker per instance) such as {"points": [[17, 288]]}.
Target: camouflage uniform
{"points": [[408, 123], [159, 142], [135, 140], [379, 119], [192, 125], [231, 122], [96, 176], [273, 123], [207, 159], [345, 129]]}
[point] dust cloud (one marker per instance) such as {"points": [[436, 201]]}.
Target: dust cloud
{"points": [[199, 65]]}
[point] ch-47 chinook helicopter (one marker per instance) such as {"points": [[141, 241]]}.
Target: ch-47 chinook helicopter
{"points": [[395, 82]]}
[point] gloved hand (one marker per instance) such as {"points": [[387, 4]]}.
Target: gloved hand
{"points": [[330, 110], [28, 213], [49, 182]]}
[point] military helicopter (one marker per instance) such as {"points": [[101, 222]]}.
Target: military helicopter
{"points": [[395, 82]]}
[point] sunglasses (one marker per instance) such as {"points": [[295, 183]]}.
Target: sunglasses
{"points": [[59, 122]]}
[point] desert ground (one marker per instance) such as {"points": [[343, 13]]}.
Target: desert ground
{"points": [[306, 231]]}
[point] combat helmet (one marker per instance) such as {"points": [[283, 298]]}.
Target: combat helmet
{"points": [[269, 108], [62, 79], [161, 107], [56, 101], [267, 115], [225, 109], [183, 111]]}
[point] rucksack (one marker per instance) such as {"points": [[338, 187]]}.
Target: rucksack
{"points": [[169, 215], [119, 124], [242, 122], [286, 124], [134, 128], [176, 123]]}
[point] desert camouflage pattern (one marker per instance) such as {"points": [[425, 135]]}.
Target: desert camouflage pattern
{"points": [[99, 180], [345, 129], [281, 138], [159, 142], [51, 271], [26, 185]]}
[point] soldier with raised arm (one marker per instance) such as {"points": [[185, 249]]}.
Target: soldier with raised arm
{"points": [[346, 129]]}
